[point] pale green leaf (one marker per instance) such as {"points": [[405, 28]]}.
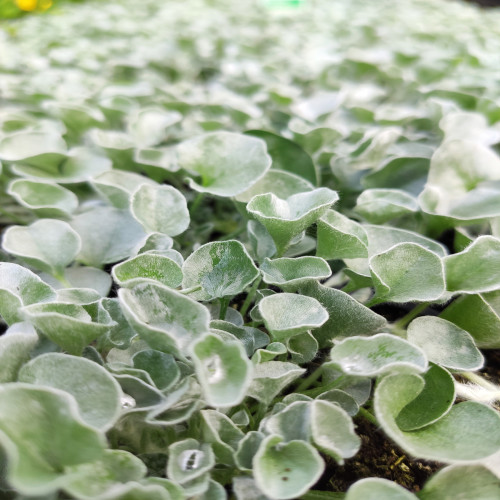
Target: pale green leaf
{"points": [[149, 126], [261, 243], [223, 369], [227, 163], [45, 199], [96, 392], [477, 425], [285, 219], [375, 488], [189, 459], [286, 470], [221, 269], [288, 314], [445, 343], [161, 209], [47, 244], [372, 356]]}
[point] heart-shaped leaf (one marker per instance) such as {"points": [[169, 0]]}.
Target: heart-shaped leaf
{"points": [[288, 314], [227, 163], [42, 434], [474, 270], [19, 287], [161, 209], [286, 470], [45, 199], [477, 425], [292, 273], [167, 320], [445, 343], [148, 266], [47, 244], [220, 269], [372, 356], [285, 219], [407, 272], [223, 369], [97, 393]]}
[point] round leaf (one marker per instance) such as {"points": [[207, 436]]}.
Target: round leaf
{"points": [[161, 209], [221, 269], [228, 163], [188, 459], [95, 390], [286, 470], [47, 244], [375, 488], [288, 314]]}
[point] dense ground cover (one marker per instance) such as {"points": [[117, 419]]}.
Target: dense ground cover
{"points": [[250, 252]]}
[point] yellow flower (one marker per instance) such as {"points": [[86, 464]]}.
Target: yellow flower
{"points": [[27, 5]]}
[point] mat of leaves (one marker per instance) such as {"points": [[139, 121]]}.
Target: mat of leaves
{"points": [[246, 249]]}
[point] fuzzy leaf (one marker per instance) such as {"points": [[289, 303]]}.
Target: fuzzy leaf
{"points": [[282, 184], [479, 315], [374, 488], [223, 369], [372, 356], [285, 219], [161, 209], [45, 199], [340, 237], [435, 400], [381, 205], [261, 243], [149, 126], [303, 348], [42, 434], [108, 235], [460, 482], [228, 163], [222, 269], [288, 314], [474, 270], [161, 367], [148, 266], [286, 470], [477, 425], [247, 448], [292, 273], [167, 320], [271, 377], [445, 343], [19, 287], [47, 244], [347, 317], [95, 390], [188, 459], [70, 326], [407, 272]]}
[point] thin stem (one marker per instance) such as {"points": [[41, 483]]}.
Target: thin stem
{"points": [[312, 393], [310, 379], [187, 291], [368, 416], [63, 280], [477, 379], [196, 203], [250, 296], [224, 303], [405, 320]]}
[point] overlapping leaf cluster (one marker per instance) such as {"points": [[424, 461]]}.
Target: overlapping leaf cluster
{"points": [[207, 208]]}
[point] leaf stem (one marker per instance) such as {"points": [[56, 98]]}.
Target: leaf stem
{"points": [[187, 291], [224, 303], [368, 416], [63, 280], [405, 320], [312, 393], [196, 203], [250, 296], [310, 379]]}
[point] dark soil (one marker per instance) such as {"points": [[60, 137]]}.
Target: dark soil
{"points": [[378, 457]]}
